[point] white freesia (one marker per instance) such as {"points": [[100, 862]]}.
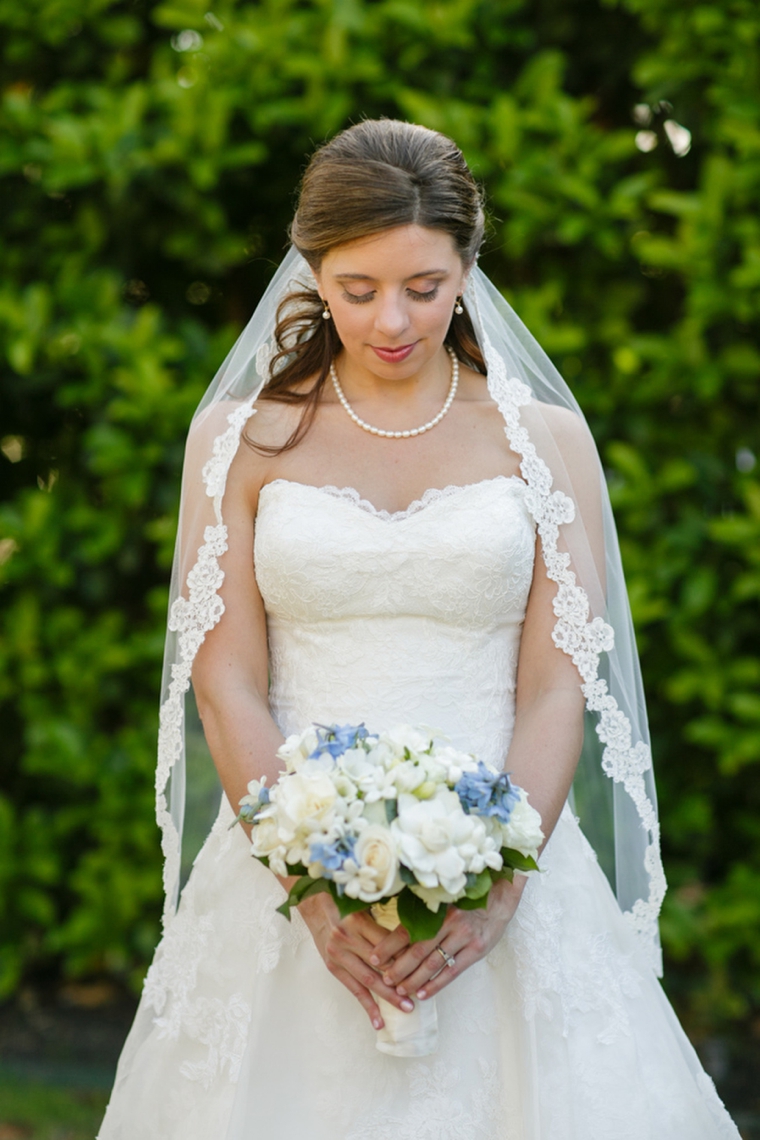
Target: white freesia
{"points": [[404, 738], [370, 778], [297, 748], [408, 776], [254, 789], [523, 832], [454, 763]]}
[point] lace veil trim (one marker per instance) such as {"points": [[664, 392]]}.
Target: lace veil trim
{"points": [[584, 641]]}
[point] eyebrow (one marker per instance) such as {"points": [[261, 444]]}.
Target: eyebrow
{"points": [[412, 277]]}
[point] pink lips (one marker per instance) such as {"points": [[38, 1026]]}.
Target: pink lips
{"points": [[393, 355]]}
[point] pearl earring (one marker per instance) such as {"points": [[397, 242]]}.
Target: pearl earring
{"points": [[458, 307], [326, 311]]}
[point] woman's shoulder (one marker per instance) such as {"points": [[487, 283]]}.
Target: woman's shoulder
{"points": [[568, 429], [249, 435], [270, 422]]}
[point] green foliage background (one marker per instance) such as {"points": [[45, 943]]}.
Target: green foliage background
{"points": [[148, 158]]}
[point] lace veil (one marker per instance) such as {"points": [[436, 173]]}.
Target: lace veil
{"points": [[613, 792]]}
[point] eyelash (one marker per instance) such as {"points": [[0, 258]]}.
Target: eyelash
{"points": [[365, 297]]}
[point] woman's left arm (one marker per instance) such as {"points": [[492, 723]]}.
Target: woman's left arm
{"points": [[542, 758]]}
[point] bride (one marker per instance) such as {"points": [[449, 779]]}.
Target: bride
{"points": [[393, 512]]}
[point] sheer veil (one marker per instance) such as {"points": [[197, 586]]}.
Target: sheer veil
{"points": [[613, 794]]}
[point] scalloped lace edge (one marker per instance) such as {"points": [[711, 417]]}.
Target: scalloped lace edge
{"points": [[192, 618], [584, 641], [431, 495]]}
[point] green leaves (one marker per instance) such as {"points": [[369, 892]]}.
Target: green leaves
{"points": [[419, 922], [517, 860], [147, 167], [302, 889]]}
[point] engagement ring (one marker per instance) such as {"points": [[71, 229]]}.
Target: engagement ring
{"points": [[450, 962]]}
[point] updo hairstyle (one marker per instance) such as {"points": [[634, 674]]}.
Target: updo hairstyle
{"points": [[374, 176]]}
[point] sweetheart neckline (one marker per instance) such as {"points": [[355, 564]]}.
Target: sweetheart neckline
{"points": [[429, 496]]}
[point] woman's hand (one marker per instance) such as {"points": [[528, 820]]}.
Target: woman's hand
{"points": [[466, 936], [346, 945]]}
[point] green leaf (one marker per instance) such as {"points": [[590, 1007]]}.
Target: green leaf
{"points": [[345, 904], [505, 873], [302, 889], [419, 922], [480, 885], [391, 810], [517, 860], [472, 904]]}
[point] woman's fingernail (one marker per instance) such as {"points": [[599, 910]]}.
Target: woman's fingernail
{"points": [[377, 1023], [422, 994], [374, 960], [407, 1005], [388, 979], [400, 991]]}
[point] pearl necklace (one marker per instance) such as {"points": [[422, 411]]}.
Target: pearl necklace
{"points": [[412, 431]]}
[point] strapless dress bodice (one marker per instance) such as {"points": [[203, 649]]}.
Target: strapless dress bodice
{"points": [[386, 618]]}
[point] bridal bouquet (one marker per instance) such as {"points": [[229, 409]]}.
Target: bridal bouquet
{"points": [[395, 821], [394, 815]]}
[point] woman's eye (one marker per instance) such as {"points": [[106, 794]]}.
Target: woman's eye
{"points": [[362, 298], [358, 298]]}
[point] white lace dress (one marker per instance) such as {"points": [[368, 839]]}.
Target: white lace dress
{"points": [[563, 1033]]}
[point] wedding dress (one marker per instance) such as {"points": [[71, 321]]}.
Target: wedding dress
{"points": [[562, 1033]]}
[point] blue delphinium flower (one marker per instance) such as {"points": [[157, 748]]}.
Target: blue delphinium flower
{"points": [[337, 739], [333, 855], [250, 807], [487, 793]]}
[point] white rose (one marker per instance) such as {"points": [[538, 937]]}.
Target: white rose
{"points": [[305, 800], [377, 861], [523, 832], [264, 837]]}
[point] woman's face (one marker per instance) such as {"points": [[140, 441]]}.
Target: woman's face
{"points": [[391, 296]]}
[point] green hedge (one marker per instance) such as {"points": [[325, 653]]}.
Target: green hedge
{"points": [[148, 158]]}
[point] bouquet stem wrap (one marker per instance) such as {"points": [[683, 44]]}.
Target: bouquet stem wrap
{"points": [[412, 1034]]}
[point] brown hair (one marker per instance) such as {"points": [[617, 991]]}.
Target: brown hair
{"points": [[377, 175]]}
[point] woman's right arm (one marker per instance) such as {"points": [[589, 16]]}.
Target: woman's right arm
{"points": [[231, 681], [230, 672]]}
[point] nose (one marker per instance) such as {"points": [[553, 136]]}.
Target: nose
{"points": [[392, 315]]}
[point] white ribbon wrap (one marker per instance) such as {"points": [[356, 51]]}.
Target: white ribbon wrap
{"points": [[413, 1034]]}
